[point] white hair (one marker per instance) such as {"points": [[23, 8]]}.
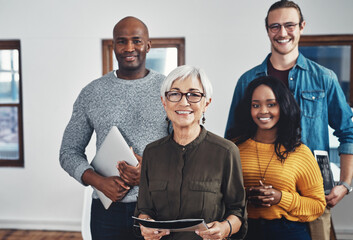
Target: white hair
{"points": [[183, 72]]}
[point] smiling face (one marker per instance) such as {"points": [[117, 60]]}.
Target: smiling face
{"points": [[265, 110], [284, 42], [184, 114], [131, 44]]}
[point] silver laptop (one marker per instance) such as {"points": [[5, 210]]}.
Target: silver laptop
{"points": [[113, 149]]}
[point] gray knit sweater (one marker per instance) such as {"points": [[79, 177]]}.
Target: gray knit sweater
{"points": [[134, 106]]}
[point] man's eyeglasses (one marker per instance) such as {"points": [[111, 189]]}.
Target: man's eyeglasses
{"points": [[193, 97], [276, 27]]}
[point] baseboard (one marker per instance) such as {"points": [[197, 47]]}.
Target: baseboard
{"points": [[41, 225]]}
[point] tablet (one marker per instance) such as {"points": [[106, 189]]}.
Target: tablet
{"points": [[181, 225], [113, 149], [325, 168]]}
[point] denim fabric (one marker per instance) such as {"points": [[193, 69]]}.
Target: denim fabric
{"points": [[320, 98], [277, 229], [114, 223]]}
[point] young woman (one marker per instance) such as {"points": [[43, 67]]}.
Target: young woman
{"points": [[281, 176]]}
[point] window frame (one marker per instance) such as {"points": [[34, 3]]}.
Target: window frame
{"points": [[15, 45]]}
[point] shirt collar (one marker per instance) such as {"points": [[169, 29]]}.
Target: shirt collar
{"points": [[302, 62], [194, 143], [262, 69]]}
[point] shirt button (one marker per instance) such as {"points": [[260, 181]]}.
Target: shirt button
{"points": [[183, 149], [291, 79], [313, 97]]}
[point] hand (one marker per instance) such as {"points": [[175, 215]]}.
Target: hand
{"points": [[216, 230], [336, 195], [151, 233], [113, 187], [263, 195], [130, 174]]}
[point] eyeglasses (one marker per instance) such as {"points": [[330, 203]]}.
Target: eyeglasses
{"points": [[193, 97], [276, 27]]}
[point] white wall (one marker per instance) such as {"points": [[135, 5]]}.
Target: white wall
{"points": [[61, 53]]}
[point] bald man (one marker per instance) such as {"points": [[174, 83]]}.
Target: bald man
{"points": [[129, 99]]}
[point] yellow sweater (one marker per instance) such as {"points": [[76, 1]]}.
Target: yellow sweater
{"points": [[298, 178]]}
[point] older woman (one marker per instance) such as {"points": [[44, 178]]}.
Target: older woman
{"points": [[192, 173]]}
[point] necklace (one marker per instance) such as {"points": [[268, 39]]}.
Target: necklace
{"points": [[262, 181]]}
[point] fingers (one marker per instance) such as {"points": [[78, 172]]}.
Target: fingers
{"points": [[122, 189], [122, 166], [114, 188], [259, 188], [121, 195], [124, 174], [331, 196], [210, 225], [214, 231], [267, 192], [127, 169], [129, 174], [265, 199], [151, 233], [335, 196], [121, 183], [332, 202], [261, 192]]}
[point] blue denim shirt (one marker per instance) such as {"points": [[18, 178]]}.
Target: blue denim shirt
{"points": [[320, 99]]}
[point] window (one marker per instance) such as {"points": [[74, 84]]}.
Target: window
{"points": [[11, 128], [165, 55], [334, 52]]}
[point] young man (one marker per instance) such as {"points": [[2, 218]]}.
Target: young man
{"points": [[129, 99], [317, 92]]}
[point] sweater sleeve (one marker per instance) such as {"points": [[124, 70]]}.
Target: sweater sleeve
{"points": [[308, 203], [76, 137]]}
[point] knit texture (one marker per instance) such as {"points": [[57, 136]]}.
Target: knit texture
{"points": [[298, 178], [134, 106]]}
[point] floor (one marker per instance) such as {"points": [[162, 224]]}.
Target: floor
{"points": [[8, 234]]}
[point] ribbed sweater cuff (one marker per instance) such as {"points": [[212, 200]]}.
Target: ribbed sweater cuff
{"points": [[286, 200]]}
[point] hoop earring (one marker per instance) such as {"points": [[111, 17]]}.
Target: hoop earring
{"points": [[203, 118]]}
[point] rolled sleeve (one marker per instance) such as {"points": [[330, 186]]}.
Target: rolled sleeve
{"points": [[345, 148]]}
